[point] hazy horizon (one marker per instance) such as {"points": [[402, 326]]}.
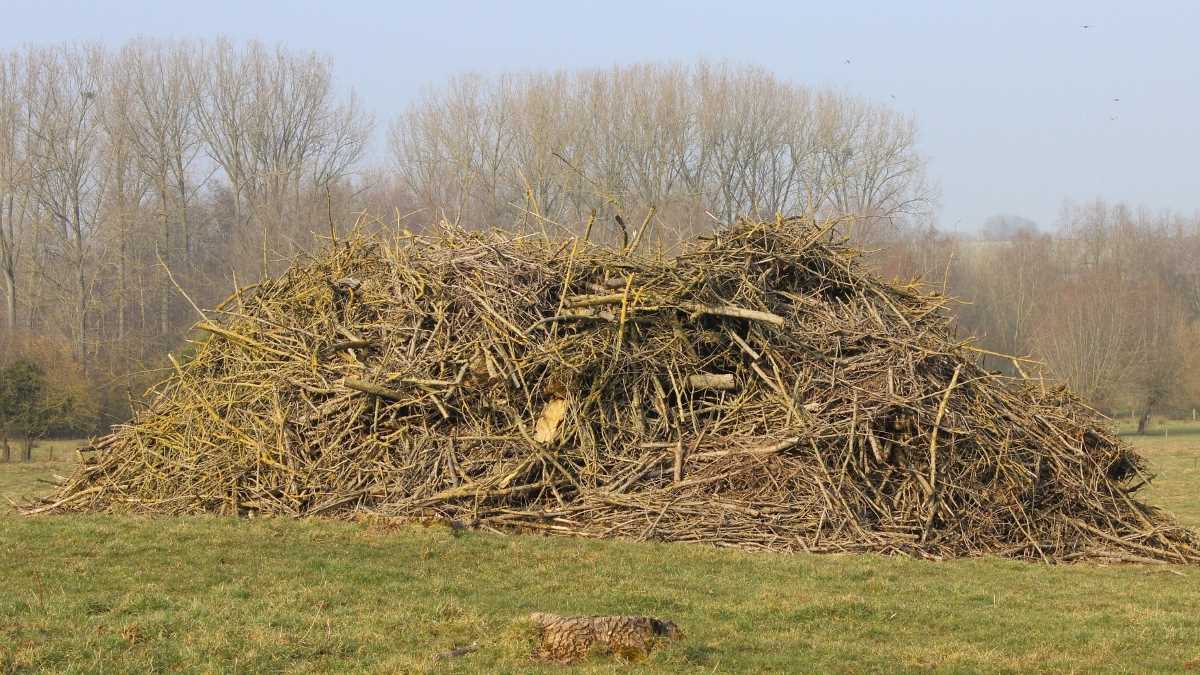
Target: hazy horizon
{"points": [[1016, 103]]}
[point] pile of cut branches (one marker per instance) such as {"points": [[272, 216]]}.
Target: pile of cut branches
{"points": [[759, 390]]}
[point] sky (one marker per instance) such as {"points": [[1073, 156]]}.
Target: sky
{"points": [[1017, 102]]}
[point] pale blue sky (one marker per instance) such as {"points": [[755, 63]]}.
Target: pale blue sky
{"points": [[1014, 99]]}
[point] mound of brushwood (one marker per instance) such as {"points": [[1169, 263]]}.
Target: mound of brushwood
{"points": [[761, 390]]}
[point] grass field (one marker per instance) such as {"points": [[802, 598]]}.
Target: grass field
{"points": [[124, 594], [1174, 452]]}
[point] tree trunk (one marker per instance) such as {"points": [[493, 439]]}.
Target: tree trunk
{"points": [[7, 245], [1143, 421], [122, 252], [33, 302], [81, 288], [5, 448], [164, 305], [27, 449], [81, 326], [185, 227], [10, 297], [122, 286]]}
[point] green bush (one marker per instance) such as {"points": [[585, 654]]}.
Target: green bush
{"points": [[22, 404], [36, 401]]}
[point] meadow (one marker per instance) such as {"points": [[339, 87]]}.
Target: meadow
{"points": [[101, 593]]}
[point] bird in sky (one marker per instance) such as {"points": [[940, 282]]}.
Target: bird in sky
{"points": [[847, 61], [1116, 100], [1085, 26]]}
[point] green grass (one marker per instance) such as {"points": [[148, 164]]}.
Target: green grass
{"points": [[1173, 449], [20, 479], [127, 594]]}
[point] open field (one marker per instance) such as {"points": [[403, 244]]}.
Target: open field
{"points": [[19, 479], [1174, 452], [89, 593]]}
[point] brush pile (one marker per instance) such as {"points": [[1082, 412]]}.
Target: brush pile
{"points": [[760, 390]]}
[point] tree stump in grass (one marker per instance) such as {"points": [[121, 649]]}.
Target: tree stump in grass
{"points": [[570, 638]]}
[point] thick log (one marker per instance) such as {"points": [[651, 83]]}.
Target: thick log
{"points": [[570, 638], [720, 382]]}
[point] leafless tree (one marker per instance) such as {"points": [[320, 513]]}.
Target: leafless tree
{"points": [[1090, 340], [163, 132], [15, 180], [65, 142], [272, 120], [728, 140]]}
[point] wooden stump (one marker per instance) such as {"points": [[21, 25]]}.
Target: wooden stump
{"points": [[570, 638]]}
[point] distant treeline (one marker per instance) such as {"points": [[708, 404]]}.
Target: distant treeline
{"points": [[213, 160], [131, 176], [1108, 302]]}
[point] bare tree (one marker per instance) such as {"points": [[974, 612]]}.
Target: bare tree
{"points": [[15, 183], [222, 92], [1162, 372], [124, 176], [711, 137], [162, 122], [273, 122], [65, 134], [1090, 337], [1014, 288]]}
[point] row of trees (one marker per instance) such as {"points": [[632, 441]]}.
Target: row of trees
{"points": [[719, 139], [130, 176], [208, 160]]}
